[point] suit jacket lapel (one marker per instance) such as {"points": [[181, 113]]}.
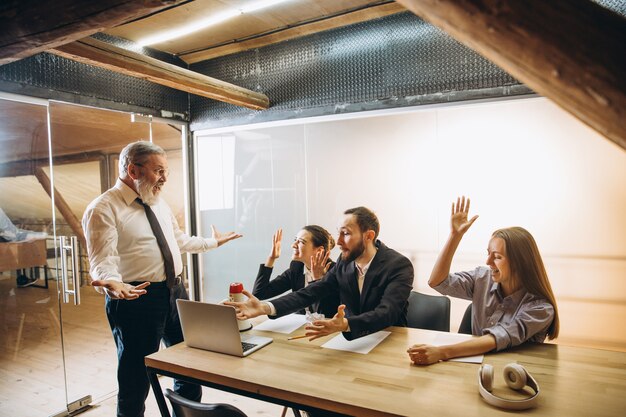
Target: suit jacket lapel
{"points": [[297, 275], [372, 275], [351, 278], [298, 282]]}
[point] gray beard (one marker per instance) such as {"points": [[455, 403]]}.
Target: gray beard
{"points": [[144, 189]]}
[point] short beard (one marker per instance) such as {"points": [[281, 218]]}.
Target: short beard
{"points": [[145, 191], [354, 253]]}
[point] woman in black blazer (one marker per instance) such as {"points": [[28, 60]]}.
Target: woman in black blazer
{"points": [[309, 262]]}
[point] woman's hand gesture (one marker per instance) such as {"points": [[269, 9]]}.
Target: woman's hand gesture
{"points": [[275, 252], [458, 219], [319, 264], [278, 236]]}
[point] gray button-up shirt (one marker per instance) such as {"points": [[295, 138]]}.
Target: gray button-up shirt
{"points": [[511, 320]]}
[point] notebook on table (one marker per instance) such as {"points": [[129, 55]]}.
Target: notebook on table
{"points": [[214, 327]]}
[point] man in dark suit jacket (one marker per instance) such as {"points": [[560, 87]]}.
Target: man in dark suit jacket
{"points": [[373, 281]]}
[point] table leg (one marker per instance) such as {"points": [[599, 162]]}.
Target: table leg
{"points": [[158, 393]]}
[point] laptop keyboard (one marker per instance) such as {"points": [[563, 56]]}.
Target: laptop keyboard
{"points": [[247, 346]]}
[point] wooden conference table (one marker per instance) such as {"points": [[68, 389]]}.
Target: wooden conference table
{"points": [[573, 381]]}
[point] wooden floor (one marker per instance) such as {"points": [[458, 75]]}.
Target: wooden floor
{"points": [[32, 365]]}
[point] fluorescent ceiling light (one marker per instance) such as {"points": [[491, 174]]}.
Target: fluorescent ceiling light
{"points": [[209, 21], [258, 5]]}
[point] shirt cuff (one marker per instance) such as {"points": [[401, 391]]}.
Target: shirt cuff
{"points": [[443, 285], [210, 242], [503, 340], [272, 308]]}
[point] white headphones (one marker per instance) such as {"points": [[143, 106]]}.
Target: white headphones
{"points": [[516, 378]]}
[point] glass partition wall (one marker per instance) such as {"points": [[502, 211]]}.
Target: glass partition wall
{"points": [[251, 182], [523, 162], [59, 354]]}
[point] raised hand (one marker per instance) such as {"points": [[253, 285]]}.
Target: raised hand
{"points": [[321, 328], [458, 219], [275, 252], [319, 264], [121, 290], [250, 308], [223, 237], [276, 239]]}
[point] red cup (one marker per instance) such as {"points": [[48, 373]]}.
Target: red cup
{"points": [[236, 288]]}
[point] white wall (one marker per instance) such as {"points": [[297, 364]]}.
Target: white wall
{"points": [[523, 162]]}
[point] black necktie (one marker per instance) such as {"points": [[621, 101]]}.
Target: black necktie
{"points": [[168, 260]]}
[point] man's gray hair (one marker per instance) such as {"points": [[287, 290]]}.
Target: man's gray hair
{"points": [[137, 153]]}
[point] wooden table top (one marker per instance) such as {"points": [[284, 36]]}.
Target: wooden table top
{"points": [[573, 381]]}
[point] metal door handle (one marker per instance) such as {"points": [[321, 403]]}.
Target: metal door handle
{"points": [[73, 249], [75, 270]]}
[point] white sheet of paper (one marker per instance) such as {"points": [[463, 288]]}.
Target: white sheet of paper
{"points": [[361, 345], [285, 324], [451, 338]]}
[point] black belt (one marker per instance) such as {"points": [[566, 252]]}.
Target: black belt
{"points": [[159, 284]]}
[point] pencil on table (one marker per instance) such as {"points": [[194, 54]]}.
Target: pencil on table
{"points": [[302, 336]]}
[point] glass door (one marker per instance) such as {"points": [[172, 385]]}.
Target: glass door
{"points": [[85, 144], [31, 360]]}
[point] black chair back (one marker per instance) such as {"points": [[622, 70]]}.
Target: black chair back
{"points": [[428, 312], [466, 321], [186, 408]]}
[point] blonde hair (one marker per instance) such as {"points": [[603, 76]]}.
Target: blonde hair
{"points": [[527, 266]]}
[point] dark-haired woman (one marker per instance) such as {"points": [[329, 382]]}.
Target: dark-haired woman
{"points": [[309, 262]]}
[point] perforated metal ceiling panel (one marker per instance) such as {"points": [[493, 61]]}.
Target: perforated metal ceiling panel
{"points": [[390, 62]]}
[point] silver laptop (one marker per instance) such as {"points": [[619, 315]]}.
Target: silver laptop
{"points": [[214, 327]]}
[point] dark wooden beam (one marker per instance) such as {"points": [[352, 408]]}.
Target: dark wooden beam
{"points": [[571, 51], [101, 54], [28, 27]]}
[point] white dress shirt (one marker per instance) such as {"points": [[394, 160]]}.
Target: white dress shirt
{"points": [[361, 273], [120, 241]]}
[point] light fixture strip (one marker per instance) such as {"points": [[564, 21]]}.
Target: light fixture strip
{"points": [[209, 21]]}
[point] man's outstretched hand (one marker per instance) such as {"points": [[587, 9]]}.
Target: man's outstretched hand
{"points": [[121, 290], [321, 328]]}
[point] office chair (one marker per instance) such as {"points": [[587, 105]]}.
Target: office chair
{"points": [[466, 321], [428, 312], [187, 408]]}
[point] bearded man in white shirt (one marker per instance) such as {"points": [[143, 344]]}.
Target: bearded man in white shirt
{"points": [[134, 246]]}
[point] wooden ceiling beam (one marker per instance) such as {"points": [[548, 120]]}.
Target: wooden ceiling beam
{"points": [[293, 32], [61, 205], [571, 51], [101, 54], [28, 27], [30, 166]]}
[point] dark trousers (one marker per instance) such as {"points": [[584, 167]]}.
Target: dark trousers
{"points": [[138, 327]]}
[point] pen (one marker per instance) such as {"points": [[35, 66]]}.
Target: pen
{"points": [[302, 336]]}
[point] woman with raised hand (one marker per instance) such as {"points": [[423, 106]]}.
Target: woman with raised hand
{"points": [[512, 300], [309, 262]]}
